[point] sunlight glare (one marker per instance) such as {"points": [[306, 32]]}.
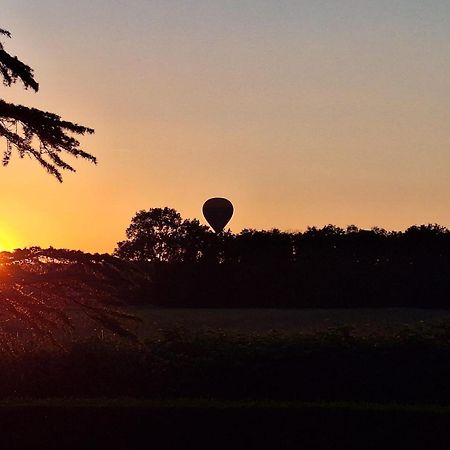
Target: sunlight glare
{"points": [[7, 240]]}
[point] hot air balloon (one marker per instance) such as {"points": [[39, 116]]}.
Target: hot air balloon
{"points": [[218, 212]]}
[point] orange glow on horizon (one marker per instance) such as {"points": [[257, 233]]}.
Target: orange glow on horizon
{"points": [[8, 242], [302, 115]]}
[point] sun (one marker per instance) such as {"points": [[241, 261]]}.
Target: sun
{"points": [[7, 241]]}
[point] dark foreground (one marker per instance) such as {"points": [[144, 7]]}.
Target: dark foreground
{"points": [[327, 390], [133, 424], [364, 321]]}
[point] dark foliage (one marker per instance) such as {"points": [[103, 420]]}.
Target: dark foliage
{"points": [[41, 135], [327, 267], [47, 294], [411, 367], [161, 235]]}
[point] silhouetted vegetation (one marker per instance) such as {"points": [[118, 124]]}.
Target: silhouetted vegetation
{"points": [[41, 135], [170, 262], [328, 267], [173, 262], [48, 293], [161, 235], [409, 367]]}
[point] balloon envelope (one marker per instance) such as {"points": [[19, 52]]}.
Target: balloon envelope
{"points": [[218, 212]]}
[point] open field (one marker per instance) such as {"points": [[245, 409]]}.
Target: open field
{"points": [[259, 320], [274, 391]]}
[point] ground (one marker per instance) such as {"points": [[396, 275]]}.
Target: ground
{"points": [[365, 320], [179, 424]]}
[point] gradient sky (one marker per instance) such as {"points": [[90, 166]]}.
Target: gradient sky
{"points": [[300, 112]]}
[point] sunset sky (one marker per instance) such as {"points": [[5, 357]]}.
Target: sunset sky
{"points": [[300, 112]]}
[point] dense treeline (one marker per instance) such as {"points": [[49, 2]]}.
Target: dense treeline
{"points": [[327, 267], [167, 261]]}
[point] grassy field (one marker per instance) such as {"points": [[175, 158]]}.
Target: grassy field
{"points": [[241, 389], [364, 320]]}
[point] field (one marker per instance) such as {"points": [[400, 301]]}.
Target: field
{"points": [[218, 378], [258, 320]]}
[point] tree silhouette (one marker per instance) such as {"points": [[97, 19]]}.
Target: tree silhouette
{"points": [[37, 286], [161, 235], [41, 135], [320, 267], [48, 294]]}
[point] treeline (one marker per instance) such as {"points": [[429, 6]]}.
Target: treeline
{"points": [[326, 267], [170, 262], [321, 267]]}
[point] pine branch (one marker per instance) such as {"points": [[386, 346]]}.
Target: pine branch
{"points": [[41, 135], [12, 69], [22, 126], [5, 32]]}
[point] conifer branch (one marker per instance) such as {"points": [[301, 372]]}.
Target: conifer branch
{"points": [[41, 135]]}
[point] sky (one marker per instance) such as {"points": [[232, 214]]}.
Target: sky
{"points": [[301, 113]]}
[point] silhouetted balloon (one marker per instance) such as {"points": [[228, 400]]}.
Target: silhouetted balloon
{"points": [[218, 212]]}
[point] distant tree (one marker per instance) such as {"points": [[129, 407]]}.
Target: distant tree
{"points": [[430, 230], [41, 135], [197, 241], [160, 234]]}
